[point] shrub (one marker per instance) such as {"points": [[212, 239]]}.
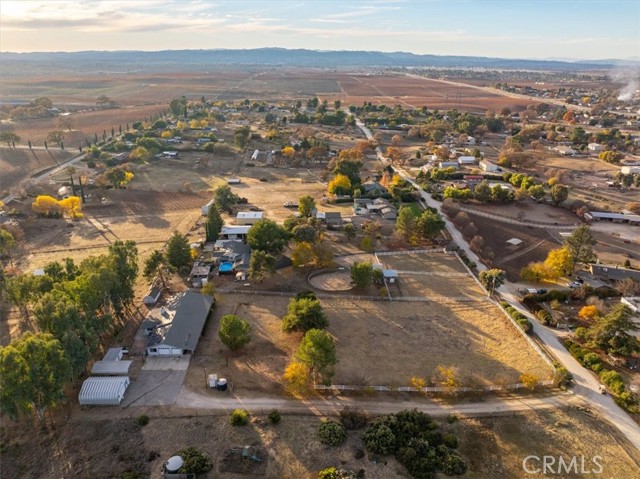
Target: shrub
{"points": [[614, 380], [544, 316], [143, 420], [451, 418], [332, 433], [239, 417], [195, 462], [274, 417], [450, 441], [353, 418], [562, 377]]}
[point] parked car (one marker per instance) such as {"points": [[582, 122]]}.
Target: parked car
{"points": [[574, 284]]}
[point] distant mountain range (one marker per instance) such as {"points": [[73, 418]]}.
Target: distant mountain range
{"points": [[199, 60]]}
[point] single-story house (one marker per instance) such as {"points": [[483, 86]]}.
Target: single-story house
{"points": [[248, 217], [235, 232], [389, 213], [467, 160], [448, 164], [103, 391], [614, 272], [565, 150], [595, 147], [373, 187], [488, 166], [614, 217], [111, 368], [186, 328], [333, 218]]}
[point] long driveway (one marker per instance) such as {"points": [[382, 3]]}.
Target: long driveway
{"points": [[586, 384]]}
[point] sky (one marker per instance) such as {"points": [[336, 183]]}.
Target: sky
{"points": [[560, 29]]}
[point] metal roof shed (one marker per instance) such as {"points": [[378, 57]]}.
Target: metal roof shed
{"points": [[111, 368], [113, 354], [103, 391]]}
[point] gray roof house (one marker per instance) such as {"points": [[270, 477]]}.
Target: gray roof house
{"points": [[373, 187], [186, 328], [332, 218]]}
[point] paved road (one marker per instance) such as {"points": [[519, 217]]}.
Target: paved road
{"points": [[586, 384]]}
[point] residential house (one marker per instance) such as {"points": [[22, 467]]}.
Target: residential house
{"points": [[373, 188], [489, 167], [595, 147], [186, 327], [235, 232], [248, 217], [467, 160], [333, 218]]}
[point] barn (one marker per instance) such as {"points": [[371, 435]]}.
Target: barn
{"points": [[108, 391], [186, 328]]}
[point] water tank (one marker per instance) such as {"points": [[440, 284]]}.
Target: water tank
{"points": [[221, 385], [173, 464]]}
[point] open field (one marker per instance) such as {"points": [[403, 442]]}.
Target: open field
{"points": [[85, 124], [421, 336], [90, 448], [17, 164]]}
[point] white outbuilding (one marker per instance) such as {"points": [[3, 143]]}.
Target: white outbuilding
{"points": [[103, 391], [111, 368]]}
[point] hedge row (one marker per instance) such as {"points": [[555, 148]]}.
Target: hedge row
{"points": [[518, 317], [562, 295], [612, 379]]}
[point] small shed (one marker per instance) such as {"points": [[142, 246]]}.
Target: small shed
{"points": [[235, 231], [153, 294], [113, 354], [248, 217], [111, 368], [333, 218], [106, 391]]}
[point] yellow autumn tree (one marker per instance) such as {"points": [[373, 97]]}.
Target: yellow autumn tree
{"points": [[166, 134], [72, 206], [530, 381], [302, 255], [589, 312], [296, 378], [46, 205], [417, 383], [447, 377], [339, 185], [559, 262], [288, 152]]}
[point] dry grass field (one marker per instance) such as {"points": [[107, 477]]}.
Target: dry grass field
{"points": [[378, 343], [17, 164], [493, 447]]}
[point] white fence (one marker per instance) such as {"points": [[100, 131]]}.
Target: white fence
{"points": [[427, 389]]}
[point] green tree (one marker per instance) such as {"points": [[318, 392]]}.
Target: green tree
{"points": [[349, 231], [304, 314], [241, 136], [482, 192], [361, 274], [123, 258], [224, 197], [33, 371], [178, 251], [213, 224], [234, 332], [492, 279], [613, 332], [7, 245], [430, 223], [9, 138], [156, 265], [266, 235], [306, 206], [318, 351], [332, 433], [261, 265], [580, 245], [304, 233], [56, 137], [406, 223], [350, 168], [559, 193], [536, 191]]}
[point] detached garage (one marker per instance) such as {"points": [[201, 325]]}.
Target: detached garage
{"points": [[103, 391]]}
